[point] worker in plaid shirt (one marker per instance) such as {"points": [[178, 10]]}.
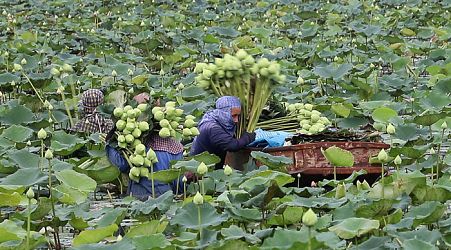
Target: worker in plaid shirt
{"points": [[166, 149], [91, 121]]}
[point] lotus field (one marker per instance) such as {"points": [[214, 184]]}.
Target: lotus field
{"points": [[307, 67]]}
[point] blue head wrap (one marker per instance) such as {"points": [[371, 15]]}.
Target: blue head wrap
{"points": [[222, 114]]}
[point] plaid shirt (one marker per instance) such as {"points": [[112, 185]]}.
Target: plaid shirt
{"points": [[91, 121], [169, 145], [94, 123]]}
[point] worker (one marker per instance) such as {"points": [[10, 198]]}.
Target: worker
{"points": [[217, 130], [166, 150], [91, 120]]}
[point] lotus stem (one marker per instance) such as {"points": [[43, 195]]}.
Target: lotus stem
{"points": [[177, 184], [152, 180], [184, 190], [52, 202], [199, 220], [309, 247], [32, 86], [335, 173], [28, 223], [63, 98]]}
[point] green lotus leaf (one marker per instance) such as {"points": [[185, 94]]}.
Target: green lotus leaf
{"points": [[10, 199], [354, 227], [94, 235], [17, 133], [24, 177], [154, 241], [147, 228], [338, 157], [383, 114], [76, 180], [273, 162], [65, 144], [69, 195], [187, 216], [415, 244], [341, 110], [428, 212]]}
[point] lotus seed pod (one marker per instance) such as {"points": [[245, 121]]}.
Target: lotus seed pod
{"points": [[198, 199], [365, 185], [340, 192], [391, 129], [202, 168], [140, 149], [194, 131], [308, 106], [48, 154], [228, 170], [67, 68], [187, 132], [444, 125], [144, 172], [382, 156], [30, 193], [142, 107], [397, 160], [42, 134], [164, 133], [54, 72], [359, 185], [309, 218], [151, 154], [17, 67], [135, 171], [118, 112]]}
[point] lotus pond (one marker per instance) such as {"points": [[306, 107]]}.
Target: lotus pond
{"points": [[382, 66]]}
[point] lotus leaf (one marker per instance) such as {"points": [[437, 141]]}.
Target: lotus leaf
{"points": [[352, 227], [338, 156]]}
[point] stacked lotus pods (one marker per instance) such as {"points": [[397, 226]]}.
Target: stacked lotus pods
{"points": [[310, 120], [171, 120], [130, 131], [240, 75]]}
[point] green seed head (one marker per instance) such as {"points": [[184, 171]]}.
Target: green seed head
{"points": [[42, 134], [397, 160], [30, 193], [202, 168], [48, 154], [309, 218], [391, 129], [382, 156], [228, 170], [198, 199]]}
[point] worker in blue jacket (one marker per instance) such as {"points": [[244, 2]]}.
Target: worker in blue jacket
{"points": [[217, 130], [166, 149]]}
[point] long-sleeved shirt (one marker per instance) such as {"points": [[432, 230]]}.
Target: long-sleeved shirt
{"points": [[216, 140], [143, 189]]}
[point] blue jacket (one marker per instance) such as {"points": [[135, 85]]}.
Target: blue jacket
{"points": [[143, 189], [216, 140]]}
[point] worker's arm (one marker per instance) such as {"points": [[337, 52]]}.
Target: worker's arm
{"points": [[117, 159], [227, 142]]}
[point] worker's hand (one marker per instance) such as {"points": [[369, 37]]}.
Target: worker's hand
{"points": [[142, 98], [102, 138], [250, 136]]}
